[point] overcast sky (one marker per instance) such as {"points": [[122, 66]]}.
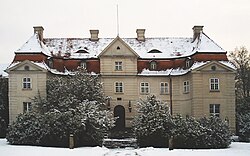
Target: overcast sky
{"points": [[227, 22]]}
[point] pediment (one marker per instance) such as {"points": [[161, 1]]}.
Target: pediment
{"points": [[26, 66], [215, 66], [118, 48]]}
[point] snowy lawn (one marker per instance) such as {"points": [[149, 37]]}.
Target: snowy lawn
{"points": [[236, 149]]}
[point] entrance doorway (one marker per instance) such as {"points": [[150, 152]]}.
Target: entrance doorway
{"points": [[119, 112]]}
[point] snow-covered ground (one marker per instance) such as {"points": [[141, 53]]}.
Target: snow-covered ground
{"points": [[236, 149]]}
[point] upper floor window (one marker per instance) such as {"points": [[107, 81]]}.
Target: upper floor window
{"points": [[214, 84], [187, 63], [118, 66], [153, 65], [186, 87], [83, 65], [118, 87], [26, 83], [164, 88], [26, 107], [144, 87], [214, 109]]}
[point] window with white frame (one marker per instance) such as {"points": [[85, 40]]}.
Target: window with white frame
{"points": [[164, 88], [144, 87], [214, 84], [187, 63], [26, 107], [118, 87], [153, 65], [214, 109], [186, 87], [118, 66], [83, 64], [26, 83]]}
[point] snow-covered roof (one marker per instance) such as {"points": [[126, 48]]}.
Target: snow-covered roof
{"points": [[80, 48], [181, 71], [205, 44], [34, 45], [75, 45], [2, 68]]}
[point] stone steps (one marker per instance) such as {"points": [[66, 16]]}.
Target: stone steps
{"points": [[120, 143]]}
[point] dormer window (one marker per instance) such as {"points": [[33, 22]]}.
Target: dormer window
{"points": [[83, 64], [154, 51], [153, 65], [188, 63], [82, 51], [26, 68]]}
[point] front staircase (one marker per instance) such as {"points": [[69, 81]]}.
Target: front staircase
{"points": [[120, 139]]}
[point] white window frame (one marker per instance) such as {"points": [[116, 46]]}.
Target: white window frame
{"points": [[27, 83], [83, 64], [144, 88], [186, 87], [153, 65], [187, 63], [118, 66], [119, 87], [214, 109], [164, 88], [214, 84], [26, 107]]}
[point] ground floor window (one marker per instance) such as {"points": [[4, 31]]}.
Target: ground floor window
{"points": [[26, 107], [214, 109]]}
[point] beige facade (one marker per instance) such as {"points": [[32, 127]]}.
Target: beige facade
{"points": [[195, 102], [18, 94], [201, 89]]}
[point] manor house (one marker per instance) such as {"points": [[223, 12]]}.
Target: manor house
{"points": [[192, 74]]}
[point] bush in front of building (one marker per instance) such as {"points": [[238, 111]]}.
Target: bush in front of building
{"points": [[244, 126], [204, 133], [69, 108], [88, 123], [153, 123], [26, 130]]}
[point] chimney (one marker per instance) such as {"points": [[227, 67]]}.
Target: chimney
{"points": [[197, 31], [94, 35], [39, 30], [140, 34]]}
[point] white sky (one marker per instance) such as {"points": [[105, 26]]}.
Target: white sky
{"points": [[227, 22]]}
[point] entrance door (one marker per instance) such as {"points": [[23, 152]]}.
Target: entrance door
{"points": [[119, 112]]}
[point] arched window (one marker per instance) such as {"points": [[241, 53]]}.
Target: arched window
{"points": [[153, 65]]}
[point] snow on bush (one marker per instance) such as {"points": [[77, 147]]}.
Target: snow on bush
{"points": [[153, 123], [74, 105], [244, 126]]}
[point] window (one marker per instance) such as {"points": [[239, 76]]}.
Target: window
{"points": [[164, 88], [26, 83], [26, 68], [186, 87], [118, 66], [26, 107], [187, 63], [83, 65], [144, 87], [118, 87], [214, 84], [153, 65], [214, 109]]}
